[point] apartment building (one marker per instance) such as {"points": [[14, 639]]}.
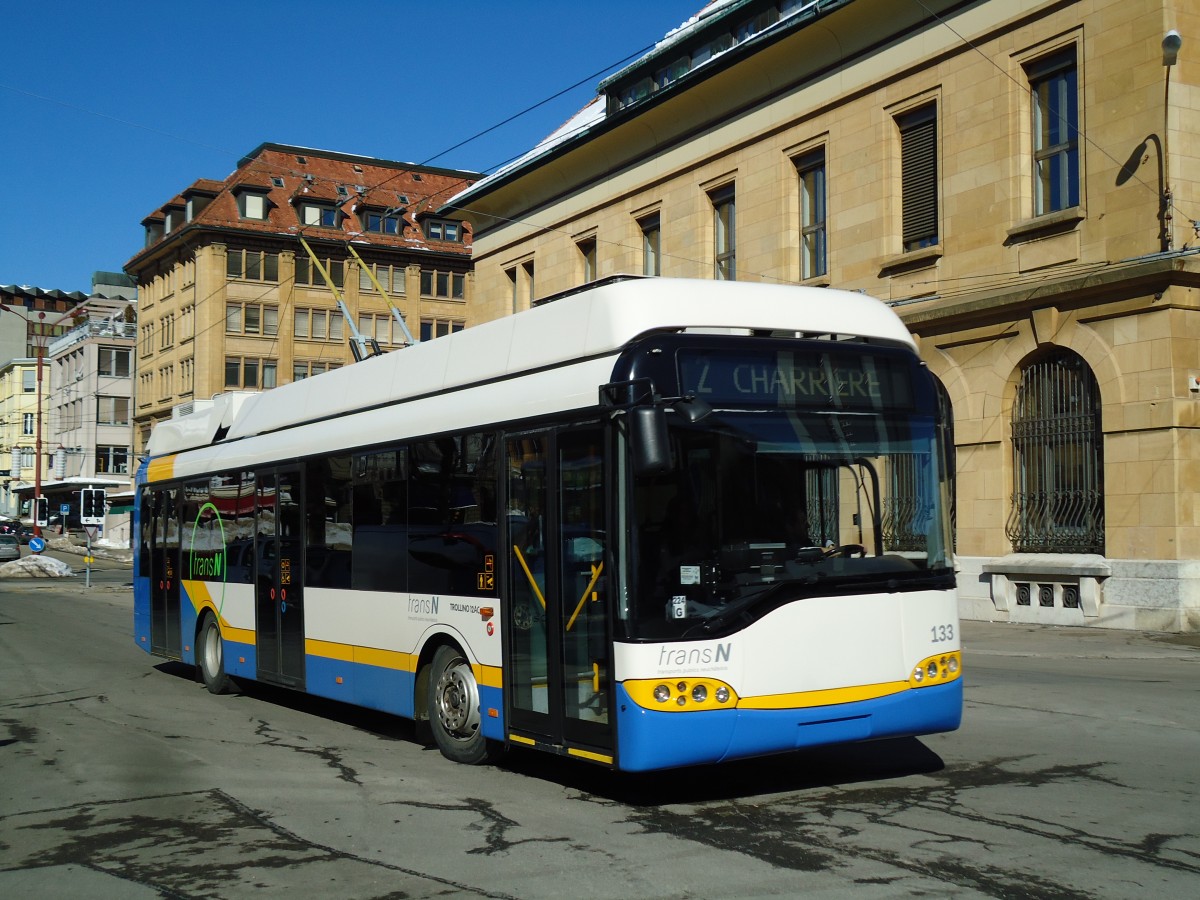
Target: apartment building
{"points": [[90, 402], [31, 318], [247, 282], [1018, 178]]}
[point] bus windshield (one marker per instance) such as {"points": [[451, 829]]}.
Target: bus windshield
{"points": [[761, 507]]}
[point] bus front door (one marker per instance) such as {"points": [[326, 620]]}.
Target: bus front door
{"points": [[557, 668], [166, 637], [279, 591]]}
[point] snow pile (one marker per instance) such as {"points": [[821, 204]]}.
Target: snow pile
{"points": [[35, 566]]}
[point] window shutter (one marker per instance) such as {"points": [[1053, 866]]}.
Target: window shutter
{"points": [[918, 178]]}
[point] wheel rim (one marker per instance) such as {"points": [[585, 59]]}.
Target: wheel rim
{"points": [[212, 651], [457, 698]]}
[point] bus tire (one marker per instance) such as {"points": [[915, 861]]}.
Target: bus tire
{"points": [[210, 656], [454, 711]]}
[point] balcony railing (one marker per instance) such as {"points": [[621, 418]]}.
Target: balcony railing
{"points": [[90, 330]]}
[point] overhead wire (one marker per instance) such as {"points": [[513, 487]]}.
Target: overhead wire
{"points": [[261, 167]]}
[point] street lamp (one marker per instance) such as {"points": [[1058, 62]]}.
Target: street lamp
{"points": [[1171, 43], [40, 343]]}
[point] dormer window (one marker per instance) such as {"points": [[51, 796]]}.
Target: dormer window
{"points": [[196, 204], [443, 230], [154, 232], [384, 221], [172, 218], [323, 215], [253, 204]]}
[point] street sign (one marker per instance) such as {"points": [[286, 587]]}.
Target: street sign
{"points": [[64, 508], [37, 544]]}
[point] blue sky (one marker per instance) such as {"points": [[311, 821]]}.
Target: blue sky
{"points": [[109, 109]]}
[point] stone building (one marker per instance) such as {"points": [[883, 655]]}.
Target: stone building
{"points": [[229, 299], [1018, 178], [31, 318]]}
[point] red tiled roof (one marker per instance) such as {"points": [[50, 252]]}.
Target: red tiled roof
{"points": [[368, 183]]}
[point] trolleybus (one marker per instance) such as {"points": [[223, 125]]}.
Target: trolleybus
{"points": [[652, 523]]}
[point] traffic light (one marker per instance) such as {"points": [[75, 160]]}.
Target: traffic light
{"points": [[91, 506], [41, 511]]}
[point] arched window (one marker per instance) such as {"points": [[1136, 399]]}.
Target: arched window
{"points": [[1058, 460]]}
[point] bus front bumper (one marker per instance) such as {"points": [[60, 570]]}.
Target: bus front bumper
{"points": [[648, 739]]}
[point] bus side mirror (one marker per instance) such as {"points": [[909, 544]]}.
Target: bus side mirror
{"points": [[648, 437]]}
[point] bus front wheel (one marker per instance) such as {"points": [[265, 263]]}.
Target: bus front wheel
{"points": [[454, 708], [211, 657]]}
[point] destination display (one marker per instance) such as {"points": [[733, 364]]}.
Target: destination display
{"points": [[796, 379]]}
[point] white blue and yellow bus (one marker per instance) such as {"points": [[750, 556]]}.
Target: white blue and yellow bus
{"points": [[651, 523]]}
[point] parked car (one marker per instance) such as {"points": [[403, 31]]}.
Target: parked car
{"points": [[24, 533], [10, 547]]}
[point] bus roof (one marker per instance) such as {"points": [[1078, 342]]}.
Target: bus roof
{"points": [[593, 322]]}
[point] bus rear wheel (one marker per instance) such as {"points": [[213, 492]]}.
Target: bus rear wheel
{"points": [[454, 711], [210, 655]]}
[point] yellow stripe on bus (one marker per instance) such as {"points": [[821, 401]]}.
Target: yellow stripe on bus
{"points": [[828, 697], [201, 599], [588, 754], [161, 469], [370, 656]]}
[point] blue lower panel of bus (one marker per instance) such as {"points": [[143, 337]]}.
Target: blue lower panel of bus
{"points": [[376, 687], [648, 739], [384, 689]]}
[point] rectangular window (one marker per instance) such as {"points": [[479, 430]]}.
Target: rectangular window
{"points": [[587, 256], [651, 241], [29, 381], [308, 274], [386, 222], [112, 410], [319, 214], [436, 328], [302, 369], [247, 372], [441, 230], [390, 278], [112, 460], [27, 424], [445, 285], [811, 170], [918, 178], [251, 318], [113, 361], [376, 326], [252, 205], [1054, 82], [724, 238], [252, 265]]}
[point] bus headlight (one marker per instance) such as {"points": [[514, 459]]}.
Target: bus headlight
{"points": [[691, 695], [936, 669]]}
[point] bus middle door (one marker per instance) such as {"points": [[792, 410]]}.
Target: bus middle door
{"points": [[557, 667], [166, 636], [279, 581]]}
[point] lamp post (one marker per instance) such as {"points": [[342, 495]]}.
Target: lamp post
{"points": [[1171, 43], [40, 343]]}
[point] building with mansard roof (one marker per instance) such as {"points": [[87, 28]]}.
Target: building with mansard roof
{"points": [[246, 282]]}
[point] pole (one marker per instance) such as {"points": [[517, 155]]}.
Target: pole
{"points": [[1167, 199], [39, 343]]}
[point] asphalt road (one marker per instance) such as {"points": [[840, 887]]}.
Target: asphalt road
{"points": [[1076, 774]]}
